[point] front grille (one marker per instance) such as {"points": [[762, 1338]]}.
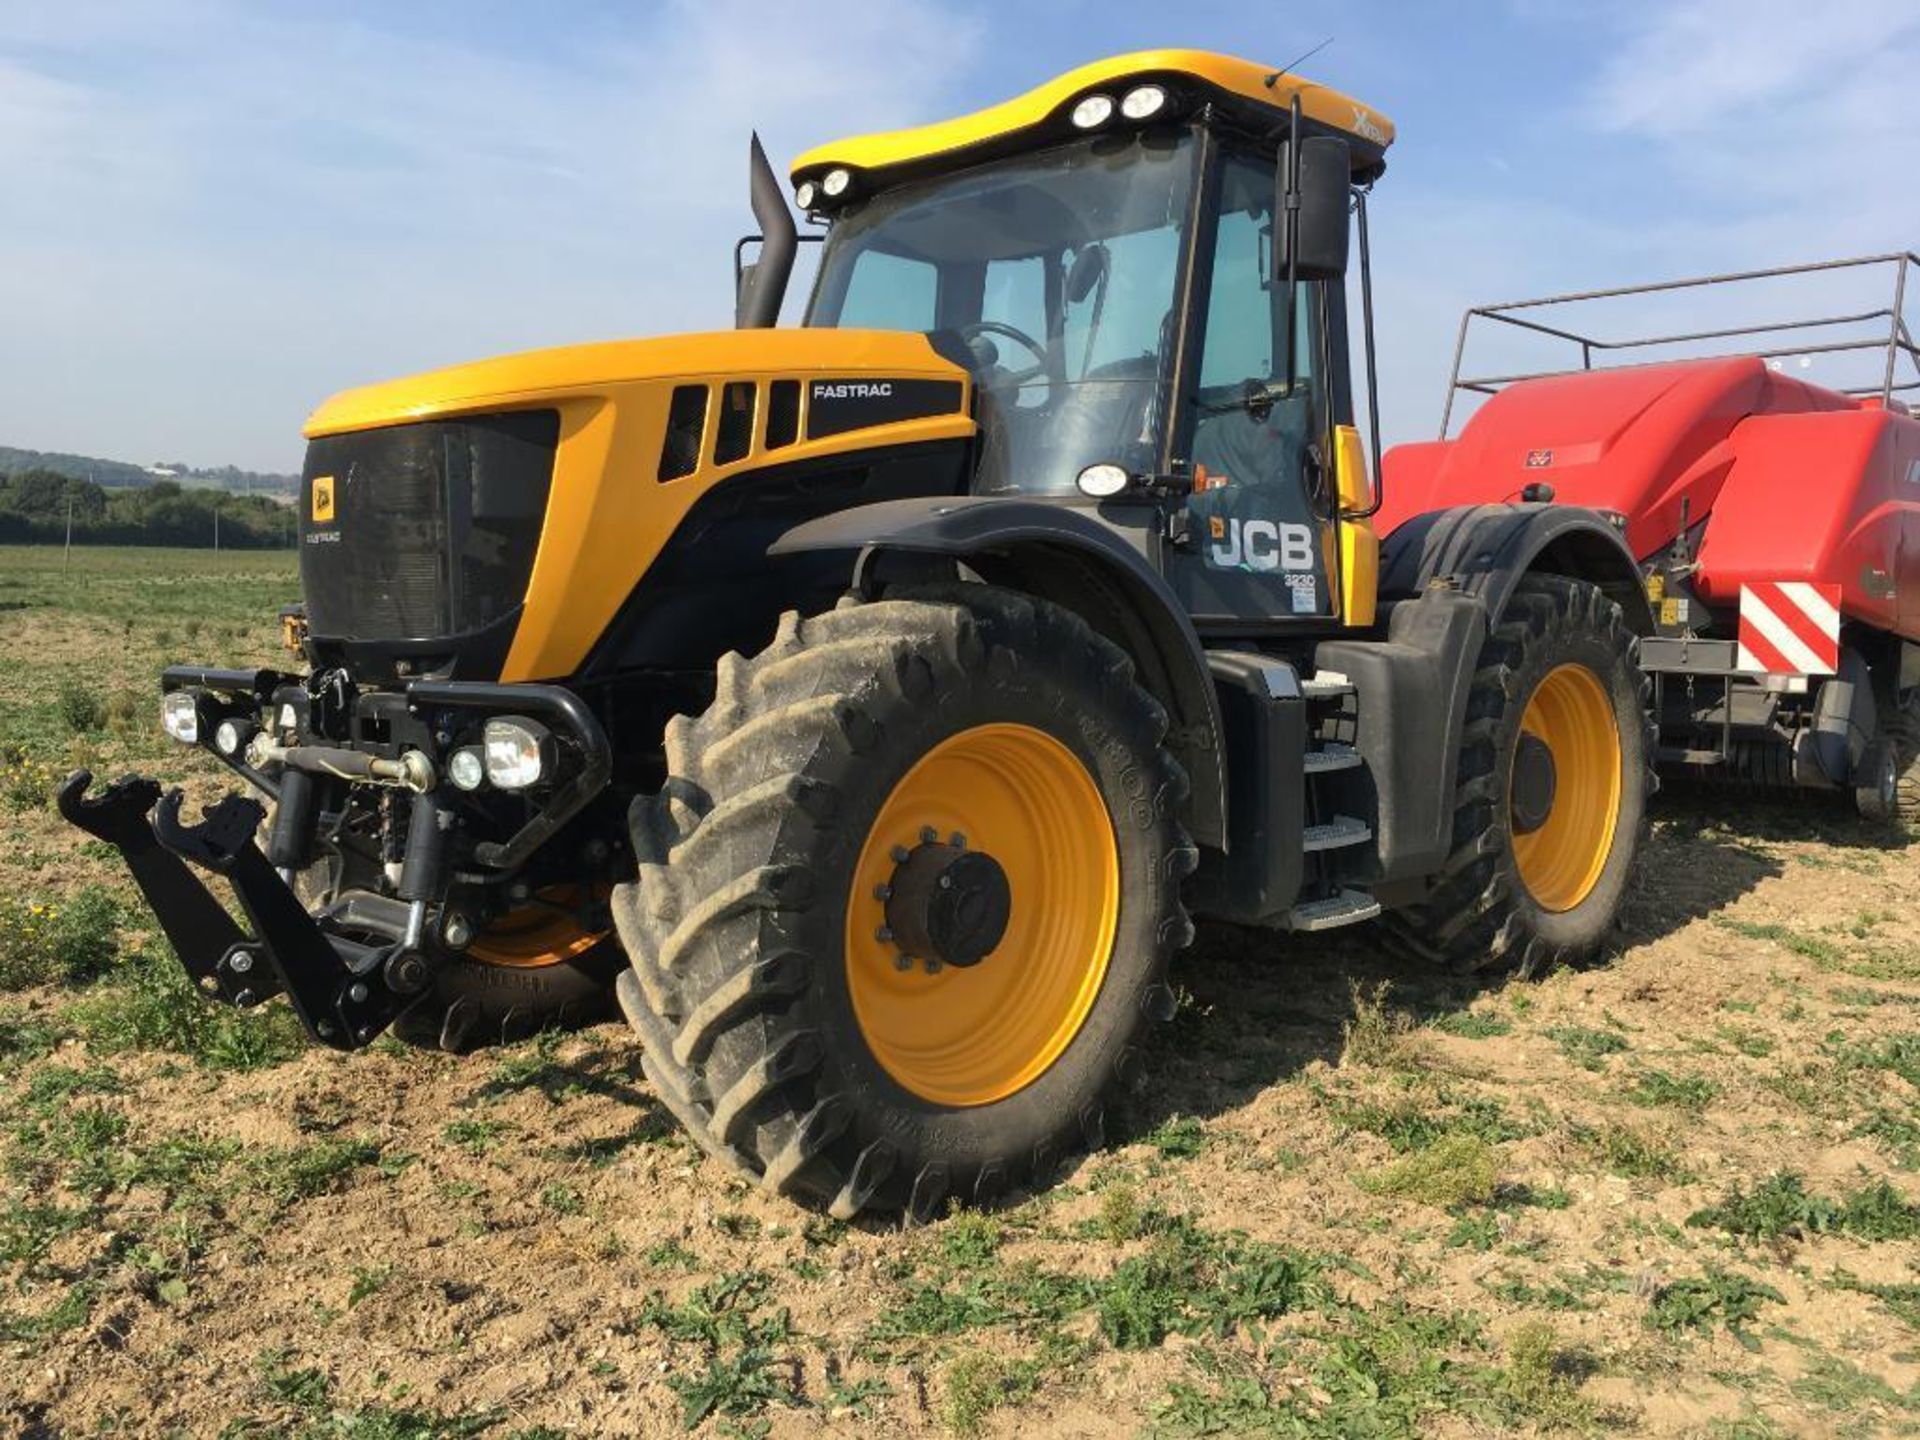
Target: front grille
{"points": [[425, 531]]}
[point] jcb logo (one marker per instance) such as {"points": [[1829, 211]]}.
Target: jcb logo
{"points": [[322, 499], [1263, 545]]}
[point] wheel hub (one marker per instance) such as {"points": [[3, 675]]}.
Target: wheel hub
{"points": [[1534, 783], [948, 903]]}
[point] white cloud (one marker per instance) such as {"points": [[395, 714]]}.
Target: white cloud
{"points": [[1697, 65], [218, 213]]}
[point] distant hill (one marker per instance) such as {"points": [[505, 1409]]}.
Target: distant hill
{"points": [[118, 474]]}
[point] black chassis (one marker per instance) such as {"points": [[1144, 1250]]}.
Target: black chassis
{"points": [[349, 969]]}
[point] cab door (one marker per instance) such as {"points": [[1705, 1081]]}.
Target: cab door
{"points": [[1256, 533]]}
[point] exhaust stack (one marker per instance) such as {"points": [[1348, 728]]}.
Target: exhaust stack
{"points": [[763, 284]]}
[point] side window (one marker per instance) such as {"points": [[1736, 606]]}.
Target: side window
{"points": [[890, 292], [1243, 307], [1240, 340]]}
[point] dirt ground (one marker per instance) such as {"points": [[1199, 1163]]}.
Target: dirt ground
{"points": [[1674, 1194]]}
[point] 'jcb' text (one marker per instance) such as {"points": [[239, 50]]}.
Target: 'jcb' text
{"points": [[1264, 545]]}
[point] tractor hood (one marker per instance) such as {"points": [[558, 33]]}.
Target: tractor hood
{"points": [[541, 377], [494, 517]]}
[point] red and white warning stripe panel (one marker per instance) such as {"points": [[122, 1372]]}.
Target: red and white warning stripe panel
{"points": [[1788, 627]]}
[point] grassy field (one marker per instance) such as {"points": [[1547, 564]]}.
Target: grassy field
{"points": [[1675, 1194]]}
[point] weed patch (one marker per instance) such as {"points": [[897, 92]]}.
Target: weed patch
{"points": [[1584, 1046], [1658, 1088], [1717, 1297], [1781, 1205], [1631, 1151], [1456, 1170]]}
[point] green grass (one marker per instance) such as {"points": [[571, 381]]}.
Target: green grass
{"points": [[1632, 1151], [1658, 1088], [1453, 1171], [1473, 1024], [731, 1326], [1781, 1205], [1716, 1297], [1416, 1122], [1586, 1047], [1901, 1299]]}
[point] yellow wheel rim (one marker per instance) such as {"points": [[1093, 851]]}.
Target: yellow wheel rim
{"points": [[1562, 859], [976, 1034], [536, 935]]}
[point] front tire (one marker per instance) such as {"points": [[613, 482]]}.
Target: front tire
{"points": [[865, 755], [1554, 773]]}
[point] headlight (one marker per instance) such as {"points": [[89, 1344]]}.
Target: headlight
{"points": [[466, 769], [180, 717], [836, 182], [1092, 110], [231, 736], [518, 751], [1143, 102], [1102, 481], [806, 195]]}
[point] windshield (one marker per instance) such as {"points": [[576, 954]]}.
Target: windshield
{"points": [[1057, 271]]}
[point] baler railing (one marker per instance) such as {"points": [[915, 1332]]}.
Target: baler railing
{"points": [[1896, 342]]}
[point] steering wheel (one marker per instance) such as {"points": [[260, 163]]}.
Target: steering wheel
{"points": [[1019, 337]]}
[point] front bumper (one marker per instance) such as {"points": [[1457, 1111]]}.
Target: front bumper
{"points": [[353, 964]]}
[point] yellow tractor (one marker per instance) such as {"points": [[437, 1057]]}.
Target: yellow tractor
{"points": [[869, 705]]}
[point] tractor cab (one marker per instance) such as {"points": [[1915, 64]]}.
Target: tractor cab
{"points": [[1102, 256]]}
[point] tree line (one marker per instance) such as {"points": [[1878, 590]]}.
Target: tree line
{"points": [[35, 506]]}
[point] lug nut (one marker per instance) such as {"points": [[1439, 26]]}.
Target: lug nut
{"points": [[900, 854], [240, 962], [957, 840], [929, 835], [933, 967], [946, 882], [356, 992], [884, 935], [903, 963], [883, 892]]}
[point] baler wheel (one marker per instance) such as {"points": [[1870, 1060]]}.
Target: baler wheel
{"points": [[1551, 790], [1890, 769], [906, 900]]}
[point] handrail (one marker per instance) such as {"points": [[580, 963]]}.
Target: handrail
{"points": [[1898, 341]]}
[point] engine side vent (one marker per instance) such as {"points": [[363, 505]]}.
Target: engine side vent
{"points": [[686, 422], [783, 413], [736, 421]]}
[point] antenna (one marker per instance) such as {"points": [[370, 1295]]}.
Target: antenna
{"points": [[1275, 78]]}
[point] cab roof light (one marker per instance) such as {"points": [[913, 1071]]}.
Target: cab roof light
{"points": [[1092, 111]]}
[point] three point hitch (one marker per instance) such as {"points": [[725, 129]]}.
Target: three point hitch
{"points": [[344, 991]]}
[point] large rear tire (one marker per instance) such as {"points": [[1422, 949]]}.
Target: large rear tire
{"points": [[1551, 790], [811, 1008]]}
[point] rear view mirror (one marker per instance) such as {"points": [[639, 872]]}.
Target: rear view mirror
{"points": [[1320, 229]]}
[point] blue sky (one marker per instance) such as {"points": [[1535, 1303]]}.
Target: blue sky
{"points": [[219, 211]]}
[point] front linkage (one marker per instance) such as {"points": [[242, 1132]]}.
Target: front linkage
{"points": [[351, 967]]}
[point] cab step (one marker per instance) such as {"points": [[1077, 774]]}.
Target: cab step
{"points": [[1331, 757], [1327, 685], [1335, 834], [1349, 907]]}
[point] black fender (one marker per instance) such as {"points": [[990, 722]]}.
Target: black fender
{"points": [[1485, 551], [1077, 554]]}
